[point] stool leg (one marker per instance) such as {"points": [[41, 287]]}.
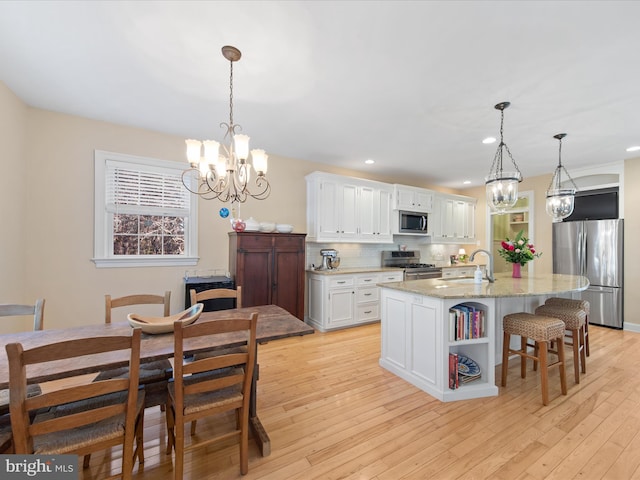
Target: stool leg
{"points": [[523, 359], [583, 350], [575, 344], [505, 357], [586, 335], [561, 364], [544, 379]]}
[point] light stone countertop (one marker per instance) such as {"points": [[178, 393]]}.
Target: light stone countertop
{"points": [[354, 270], [504, 286]]}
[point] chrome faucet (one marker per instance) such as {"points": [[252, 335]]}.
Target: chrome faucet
{"points": [[489, 265]]}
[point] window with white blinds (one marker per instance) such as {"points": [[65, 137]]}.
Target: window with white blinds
{"points": [[141, 191], [144, 216]]}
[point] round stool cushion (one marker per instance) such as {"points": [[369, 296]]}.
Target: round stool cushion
{"points": [[537, 327], [568, 302], [573, 318]]}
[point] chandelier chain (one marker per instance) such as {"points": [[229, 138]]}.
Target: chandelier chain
{"points": [[556, 179]]}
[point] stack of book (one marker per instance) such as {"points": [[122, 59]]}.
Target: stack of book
{"points": [[466, 323], [462, 370]]}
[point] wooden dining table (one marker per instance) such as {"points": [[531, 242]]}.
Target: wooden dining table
{"points": [[273, 323]]}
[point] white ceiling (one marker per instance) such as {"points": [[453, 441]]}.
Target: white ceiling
{"points": [[411, 85]]}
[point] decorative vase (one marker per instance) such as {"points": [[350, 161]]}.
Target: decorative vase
{"points": [[516, 271]]}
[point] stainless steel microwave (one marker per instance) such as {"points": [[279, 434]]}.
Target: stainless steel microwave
{"points": [[412, 222]]}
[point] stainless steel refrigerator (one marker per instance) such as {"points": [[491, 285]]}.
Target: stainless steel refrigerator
{"points": [[594, 248]]}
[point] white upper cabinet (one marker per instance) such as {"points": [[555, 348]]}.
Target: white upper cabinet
{"points": [[347, 209], [413, 199], [453, 219]]}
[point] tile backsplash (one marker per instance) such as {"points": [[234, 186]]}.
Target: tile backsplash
{"points": [[355, 255]]}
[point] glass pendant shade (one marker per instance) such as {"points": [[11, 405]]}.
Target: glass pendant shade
{"points": [[560, 200], [560, 203], [502, 186], [502, 192]]}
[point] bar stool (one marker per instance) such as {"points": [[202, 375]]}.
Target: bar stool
{"points": [[582, 304], [542, 330], [574, 320]]}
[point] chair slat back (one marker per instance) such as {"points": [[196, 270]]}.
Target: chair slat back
{"points": [[199, 297], [37, 310], [137, 299], [219, 371], [121, 393]]}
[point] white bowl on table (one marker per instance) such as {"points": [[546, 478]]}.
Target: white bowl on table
{"points": [[154, 325]]}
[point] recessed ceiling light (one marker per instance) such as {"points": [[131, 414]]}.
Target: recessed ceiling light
{"points": [[466, 182], [369, 162], [488, 140], [633, 149]]}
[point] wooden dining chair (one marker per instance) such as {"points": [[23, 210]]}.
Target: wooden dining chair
{"points": [[153, 375], [211, 385], [10, 310], [79, 418], [214, 293], [6, 437]]}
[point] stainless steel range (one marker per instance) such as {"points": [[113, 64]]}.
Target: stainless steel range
{"points": [[410, 261]]}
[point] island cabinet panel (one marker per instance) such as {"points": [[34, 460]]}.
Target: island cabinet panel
{"points": [[425, 362], [269, 268], [417, 341]]}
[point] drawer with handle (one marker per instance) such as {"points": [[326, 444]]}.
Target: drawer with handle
{"points": [[341, 281]]}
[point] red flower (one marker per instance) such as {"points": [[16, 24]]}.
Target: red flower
{"points": [[511, 247], [533, 250], [504, 244]]}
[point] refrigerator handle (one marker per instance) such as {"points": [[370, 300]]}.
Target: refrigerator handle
{"points": [[582, 251]]}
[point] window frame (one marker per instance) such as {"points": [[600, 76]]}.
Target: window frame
{"points": [[103, 219]]}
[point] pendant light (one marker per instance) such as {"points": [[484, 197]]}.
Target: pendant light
{"points": [[560, 200], [502, 186]]}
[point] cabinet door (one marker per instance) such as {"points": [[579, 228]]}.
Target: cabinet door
{"points": [[347, 210], [404, 199], [254, 275], [341, 307], [448, 226], [459, 219], [287, 289], [383, 215], [328, 207], [424, 201], [367, 212]]}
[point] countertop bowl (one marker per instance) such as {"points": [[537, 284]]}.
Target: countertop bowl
{"points": [[284, 228], [154, 325]]}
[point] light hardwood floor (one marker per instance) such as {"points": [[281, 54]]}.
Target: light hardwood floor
{"points": [[333, 413]]}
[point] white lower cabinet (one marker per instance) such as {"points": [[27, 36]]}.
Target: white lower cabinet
{"points": [[339, 301]]}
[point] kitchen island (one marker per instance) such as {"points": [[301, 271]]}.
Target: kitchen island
{"points": [[421, 325]]}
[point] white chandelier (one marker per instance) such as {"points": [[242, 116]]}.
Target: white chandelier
{"points": [[502, 186], [226, 176], [560, 200]]}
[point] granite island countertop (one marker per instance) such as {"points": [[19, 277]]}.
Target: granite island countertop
{"points": [[504, 286]]}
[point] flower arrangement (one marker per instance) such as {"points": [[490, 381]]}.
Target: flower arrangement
{"points": [[518, 250]]}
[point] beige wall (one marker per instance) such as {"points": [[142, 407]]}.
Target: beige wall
{"points": [[13, 206], [47, 213], [46, 193]]}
